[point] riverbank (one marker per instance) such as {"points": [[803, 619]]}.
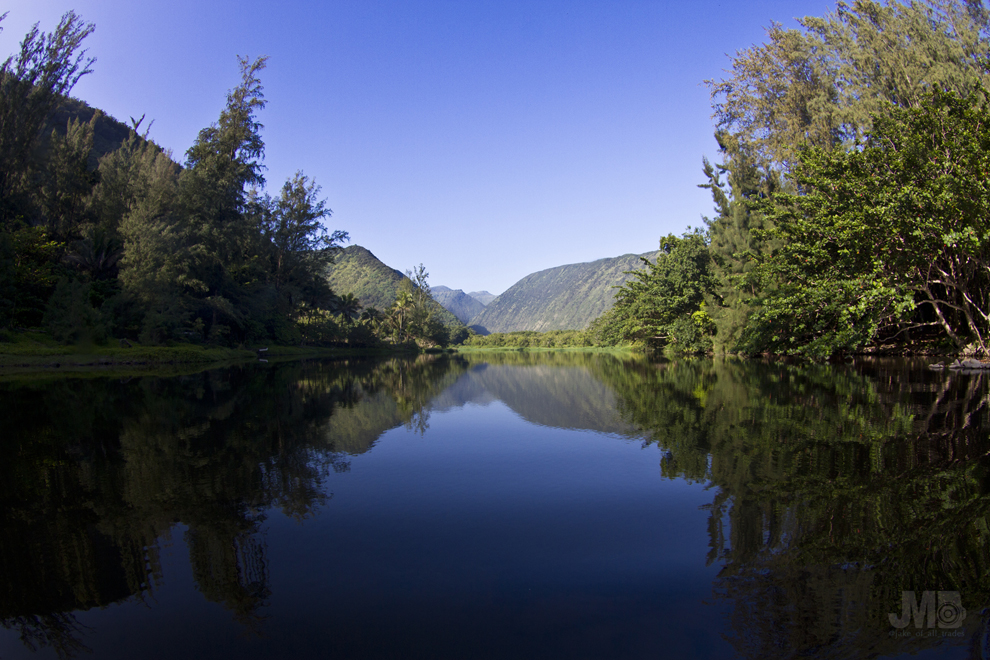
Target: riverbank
{"points": [[36, 351], [547, 349]]}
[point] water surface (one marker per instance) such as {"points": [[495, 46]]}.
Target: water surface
{"points": [[495, 505]]}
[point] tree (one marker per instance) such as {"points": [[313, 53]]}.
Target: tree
{"points": [[663, 304], [399, 315], [779, 95], [424, 319], [221, 167], [122, 176], [67, 181], [820, 85], [887, 238], [29, 272], [348, 306], [299, 247], [415, 314], [155, 269], [32, 83], [737, 239]]}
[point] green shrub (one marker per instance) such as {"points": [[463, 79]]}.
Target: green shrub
{"points": [[70, 316]]}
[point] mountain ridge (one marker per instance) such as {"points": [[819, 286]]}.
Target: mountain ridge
{"points": [[483, 297], [567, 297], [359, 272]]}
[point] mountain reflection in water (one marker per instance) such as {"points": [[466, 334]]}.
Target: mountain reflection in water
{"points": [[831, 489]]}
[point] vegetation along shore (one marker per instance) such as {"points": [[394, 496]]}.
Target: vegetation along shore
{"points": [[852, 214]]}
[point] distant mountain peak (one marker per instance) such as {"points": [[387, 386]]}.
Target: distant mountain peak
{"points": [[483, 297], [461, 305]]}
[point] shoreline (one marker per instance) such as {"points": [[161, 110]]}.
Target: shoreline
{"points": [[26, 354]]}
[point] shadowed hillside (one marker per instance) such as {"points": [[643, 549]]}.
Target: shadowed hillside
{"points": [[563, 298], [108, 133]]}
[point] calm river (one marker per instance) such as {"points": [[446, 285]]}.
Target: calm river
{"points": [[502, 505]]}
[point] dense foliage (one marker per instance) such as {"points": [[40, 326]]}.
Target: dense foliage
{"points": [[851, 198], [664, 303], [886, 239], [104, 235]]}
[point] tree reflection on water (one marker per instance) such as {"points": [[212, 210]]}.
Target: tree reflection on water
{"points": [[834, 487], [98, 472]]}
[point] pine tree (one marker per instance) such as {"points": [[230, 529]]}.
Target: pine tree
{"points": [[68, 180], [32, 83], [155, 269], [738, 240], [221, 167], [298, 249]]}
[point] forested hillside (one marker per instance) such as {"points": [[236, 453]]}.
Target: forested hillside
{"points": [[563, 298], [359, 273]]}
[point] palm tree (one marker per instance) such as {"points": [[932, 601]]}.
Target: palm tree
{"points": [[347, 305], [401, 308], [97, 254]]}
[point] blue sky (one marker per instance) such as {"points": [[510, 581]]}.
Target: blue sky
{"points": [[486, 140]]}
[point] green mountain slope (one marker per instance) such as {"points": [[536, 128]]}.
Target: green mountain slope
{"points": [[460, 304], [357, 271], [563, 298]]}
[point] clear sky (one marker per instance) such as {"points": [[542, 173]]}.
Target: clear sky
{"points": [[484, 139]]}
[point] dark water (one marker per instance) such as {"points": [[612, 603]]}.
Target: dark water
{"points": [[500, 506]]}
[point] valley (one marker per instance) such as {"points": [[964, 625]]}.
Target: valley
{"points": [[567, 297]]}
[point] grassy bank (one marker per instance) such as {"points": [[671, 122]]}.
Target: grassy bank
{"points": [[547, 349], [32, 350]]}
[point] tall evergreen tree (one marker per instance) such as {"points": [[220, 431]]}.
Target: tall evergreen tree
{"points": [[821, 84], [32, 83], [155, 269], [67, 180], [221, 167], [738, 241], [297, 251]]}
